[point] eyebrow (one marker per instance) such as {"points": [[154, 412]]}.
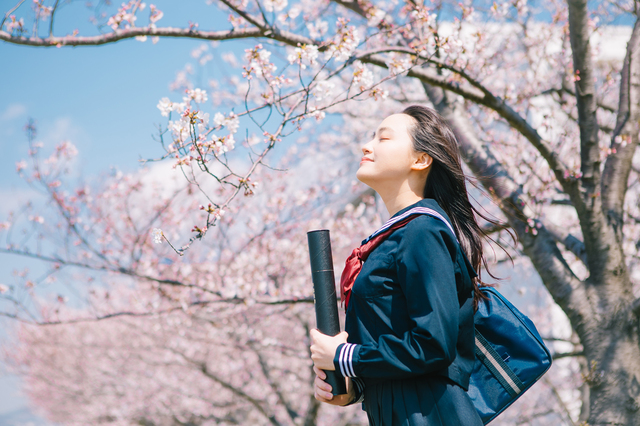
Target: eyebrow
{"points": [[382, 129]]}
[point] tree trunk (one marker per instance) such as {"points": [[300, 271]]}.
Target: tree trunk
{"points": [[612, 349]]}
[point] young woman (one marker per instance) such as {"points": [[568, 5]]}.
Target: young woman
{"points": [[408, 349]]}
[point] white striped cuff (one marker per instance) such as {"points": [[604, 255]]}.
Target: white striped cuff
{"points": [[345, 360]]}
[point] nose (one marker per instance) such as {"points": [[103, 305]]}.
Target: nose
{"points": [[366, 148]]}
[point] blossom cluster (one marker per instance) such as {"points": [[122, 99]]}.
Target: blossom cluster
{"points": [[275, 5], [220, 145], [157, 235], [197, 95], [323, 90], [398, 64], [362, 76], [125, 17], [166, 106], [14, 24], [155, 15], [231, 122], [41, 10], [259, 62], [345, 41], [304, 54]]}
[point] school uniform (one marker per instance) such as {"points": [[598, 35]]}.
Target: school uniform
{"points": [[410, 349]]}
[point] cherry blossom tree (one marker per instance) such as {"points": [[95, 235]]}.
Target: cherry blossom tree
{"points": [[215, 337], [544, 109]]}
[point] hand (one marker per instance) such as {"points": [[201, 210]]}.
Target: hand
{"points": [[322, 390], [323, 348]]}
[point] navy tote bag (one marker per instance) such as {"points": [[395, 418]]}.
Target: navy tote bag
{"points": [[510, 355]]}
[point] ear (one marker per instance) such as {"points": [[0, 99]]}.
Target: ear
{"points": [[422, 162]]}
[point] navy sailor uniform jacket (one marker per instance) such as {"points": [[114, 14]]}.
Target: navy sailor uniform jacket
{"points": [[411, 308]]}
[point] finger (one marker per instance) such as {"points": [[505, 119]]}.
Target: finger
{"points": [[320, 373], [313, 333], [320, 384], [320, 398], [323, 395]]}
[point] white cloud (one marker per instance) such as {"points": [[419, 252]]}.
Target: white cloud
{"points": [[13, 111], [61, 129]]}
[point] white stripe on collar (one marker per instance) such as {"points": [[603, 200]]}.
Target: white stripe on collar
{"points": [[416, 210]]}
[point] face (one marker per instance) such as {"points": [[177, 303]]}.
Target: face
{"points": [[389, 158]]}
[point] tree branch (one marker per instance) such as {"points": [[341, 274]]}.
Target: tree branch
{"points": [[579, 34], [570, 242], [566, 88], [257, 404], [252, 20], [352, 5], [561, 403], [232, 300], [123, 34], [53, 12], [605, 128], [590, 208], [274, 386], [624, 139], [559, 355], [492, 229]]}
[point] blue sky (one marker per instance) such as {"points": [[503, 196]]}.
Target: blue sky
{"points": [[103, 99]]}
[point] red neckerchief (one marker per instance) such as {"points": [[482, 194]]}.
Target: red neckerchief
{"points": [[359, 255]]}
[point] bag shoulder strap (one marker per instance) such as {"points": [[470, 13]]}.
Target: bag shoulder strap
{"points": [[496, 365], [416, 210]]}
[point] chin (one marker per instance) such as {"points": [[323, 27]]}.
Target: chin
{"points": [[361, 175], [365, 178]]}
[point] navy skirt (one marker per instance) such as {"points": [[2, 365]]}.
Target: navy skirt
{"points": [[432, 401]]}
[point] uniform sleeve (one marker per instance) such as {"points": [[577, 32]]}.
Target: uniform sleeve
{"points": [[358, 387], [427, 277]]}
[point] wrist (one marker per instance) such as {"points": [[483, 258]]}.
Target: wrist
{"points": [[352, 394], [357, 389]]}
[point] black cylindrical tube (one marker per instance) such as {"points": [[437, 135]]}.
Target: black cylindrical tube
{"points": [[324, 289]]}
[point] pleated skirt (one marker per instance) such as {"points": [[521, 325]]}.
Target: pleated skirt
{"points": [[422, 401]]}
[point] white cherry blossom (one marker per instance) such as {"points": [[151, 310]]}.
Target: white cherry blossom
{"points": [[275, 5], [165, 106], [157, 235]]}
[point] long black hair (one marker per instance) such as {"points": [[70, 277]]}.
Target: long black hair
{"points": [[446, 183]]}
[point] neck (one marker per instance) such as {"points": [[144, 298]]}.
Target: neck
{"points": [[399, 200]]}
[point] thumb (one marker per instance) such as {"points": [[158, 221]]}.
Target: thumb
{"points": [[344, 335]]}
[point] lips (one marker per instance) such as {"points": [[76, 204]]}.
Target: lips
{"points": [[365, 159]]}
